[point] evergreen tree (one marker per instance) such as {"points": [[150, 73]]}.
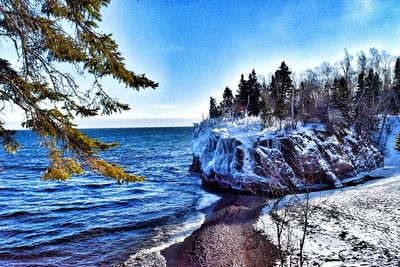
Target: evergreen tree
{"points": [[396, 79], [214, 111], [395, 99], [45, 33], [272, 88], [254, 97], [359, 101], [282, 88], [227, 104], [242, 96], [366, 121], [320, 98], [373, 85], [249, 94], [342, 98], [279, 94], [360, 86]]}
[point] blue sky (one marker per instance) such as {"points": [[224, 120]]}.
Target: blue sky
{"points": [[196, 48]]}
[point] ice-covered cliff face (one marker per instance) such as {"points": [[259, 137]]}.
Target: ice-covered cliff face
{"points": [[237, 155]]}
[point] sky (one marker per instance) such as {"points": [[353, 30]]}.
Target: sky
{"points": [[194, 49]]}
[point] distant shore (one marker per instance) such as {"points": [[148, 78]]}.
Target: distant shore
{"points": [[226, 238]]}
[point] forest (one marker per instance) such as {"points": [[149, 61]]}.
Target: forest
{"points": [[356, 92]]}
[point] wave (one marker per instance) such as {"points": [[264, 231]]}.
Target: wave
{"points": [[54, 189], [177, 233], [96, 185], [99, 231], [16, 214], [10, 189], [38, 217], [97, 205], [206, 200]]}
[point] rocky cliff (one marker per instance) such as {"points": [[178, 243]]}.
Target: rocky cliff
{"points": [[239, 156]]}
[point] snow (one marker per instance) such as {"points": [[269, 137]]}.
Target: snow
{"points": [[351, 226], [389, 138], [239, 130], [358, 225], [243, 129], [219, 134]]}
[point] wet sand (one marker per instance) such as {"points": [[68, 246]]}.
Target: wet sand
{"points": [[227, 237]]}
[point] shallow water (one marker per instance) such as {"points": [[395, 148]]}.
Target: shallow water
{"points": [[91, 220]]}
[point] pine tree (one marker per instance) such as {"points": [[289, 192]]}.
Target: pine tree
{"points": [[373, 85], [272, 88], [395, 92], [369, 86], [396, 79], [342, 98], [249, 94], [286, 83], [214, 111], [360, 86], [279, 96], [366, 121], [359, 101], [254, 97], [227, 104], [282, 88], [45, 33], [242, 96]]}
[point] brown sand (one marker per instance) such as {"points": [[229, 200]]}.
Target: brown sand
{"points": [[227, 238]]}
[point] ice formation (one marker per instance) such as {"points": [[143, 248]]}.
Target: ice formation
{"points": [[237, 154]]}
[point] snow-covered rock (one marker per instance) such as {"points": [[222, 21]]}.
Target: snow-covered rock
{"points": [[350, 226], [236, 154]]}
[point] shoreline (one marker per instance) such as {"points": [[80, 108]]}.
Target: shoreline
{"points": [[226, 238]]}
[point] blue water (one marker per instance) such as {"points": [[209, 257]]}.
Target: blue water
{"points": [[90, 220]]}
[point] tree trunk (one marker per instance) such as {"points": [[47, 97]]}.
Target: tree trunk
{"points": [[382, 126]]}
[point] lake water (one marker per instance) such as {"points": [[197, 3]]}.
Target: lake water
{"points": [[91, 220]]}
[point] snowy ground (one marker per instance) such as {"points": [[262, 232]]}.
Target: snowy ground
{"points": [[355, 226], [352, 226]]}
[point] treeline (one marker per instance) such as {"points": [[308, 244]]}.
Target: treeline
{"points": [[353, 92]]}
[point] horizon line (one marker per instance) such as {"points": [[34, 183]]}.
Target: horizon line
{"points": [[121, 123]]}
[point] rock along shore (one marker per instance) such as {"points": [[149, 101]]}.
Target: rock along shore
{"points": [[280, 162]]}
